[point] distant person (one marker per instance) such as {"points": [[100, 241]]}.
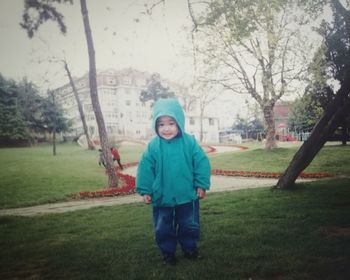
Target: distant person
{"points": [[101, 159], [173, 173], [116, 157]]}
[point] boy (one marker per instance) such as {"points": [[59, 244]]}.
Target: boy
{"points": [[173, 174]]}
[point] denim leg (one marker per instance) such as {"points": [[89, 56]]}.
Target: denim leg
{"points": [[165, 229], [187, 218]]}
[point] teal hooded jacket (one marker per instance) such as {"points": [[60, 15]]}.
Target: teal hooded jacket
{"points": [[172, 170]]}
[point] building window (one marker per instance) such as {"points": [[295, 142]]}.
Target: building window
{"points": [[192, 122], [127, 102], [111, 81], [211, 121], [127, 80]]}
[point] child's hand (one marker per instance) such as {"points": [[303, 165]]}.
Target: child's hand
{"points": [[200, 193], [147, 199]]}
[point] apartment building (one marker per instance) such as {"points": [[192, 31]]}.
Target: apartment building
{"points": [[124, 114]]}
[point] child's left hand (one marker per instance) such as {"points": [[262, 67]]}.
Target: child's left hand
{"points": [[200, 193]]}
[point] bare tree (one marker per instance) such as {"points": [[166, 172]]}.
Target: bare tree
{"points": [[205, 96], [46, 11], [112, 176], [80, 107], [252, 47]]}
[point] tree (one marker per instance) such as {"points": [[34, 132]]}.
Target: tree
{"points": [[305, 113], [204, 97], [253, 47], [24, 113], [37, 12], [54, 120], [80, 107], [13, 126], [337, 111], [251, 127], [112, 177], [155, 89]]}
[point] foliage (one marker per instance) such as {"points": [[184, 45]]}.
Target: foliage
{"points": [[155, 90], [304, 114], [330, 60], [250, 128], [328, 64], [53, 117], [24, 112], [37, 12], [13, 125], [337, 38]]}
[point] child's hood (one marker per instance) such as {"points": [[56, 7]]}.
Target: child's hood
{"points": [[169, 107]]}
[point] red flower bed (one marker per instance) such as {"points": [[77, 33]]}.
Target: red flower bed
{"points": [[128, 186], [208, 149]]}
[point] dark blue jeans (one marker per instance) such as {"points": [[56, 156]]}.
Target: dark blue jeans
{"points": [[177, 224]]}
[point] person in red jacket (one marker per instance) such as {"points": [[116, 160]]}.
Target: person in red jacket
{"points": [[116, 157]]}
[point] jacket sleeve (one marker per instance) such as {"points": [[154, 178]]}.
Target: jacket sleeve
{"points": [[201, 167], [145, 173]]}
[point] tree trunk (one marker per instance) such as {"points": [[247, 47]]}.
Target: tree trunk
{"points": [[80, 108], [54, 124], [54, 142], [270, 130], [112, 176], [335, 113]]}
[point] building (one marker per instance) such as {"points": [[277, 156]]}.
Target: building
{"points": [[210, 128], [124, 114], [281, 112]]}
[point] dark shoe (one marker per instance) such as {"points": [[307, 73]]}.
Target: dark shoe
{"points": [[191, 255], [169, 259]]}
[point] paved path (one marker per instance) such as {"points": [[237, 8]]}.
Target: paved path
{"points": [[218, 184]]}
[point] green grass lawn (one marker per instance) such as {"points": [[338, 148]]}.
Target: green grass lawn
{"points": [[334, 159], [30, 176], [247, 234]]}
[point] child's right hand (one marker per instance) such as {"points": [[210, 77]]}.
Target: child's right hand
{"points": [[147, 199]]}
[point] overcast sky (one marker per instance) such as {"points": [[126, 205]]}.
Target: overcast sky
{"points": [[123, 36]]}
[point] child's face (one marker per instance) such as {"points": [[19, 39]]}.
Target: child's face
{"points": [[167, 127]]}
